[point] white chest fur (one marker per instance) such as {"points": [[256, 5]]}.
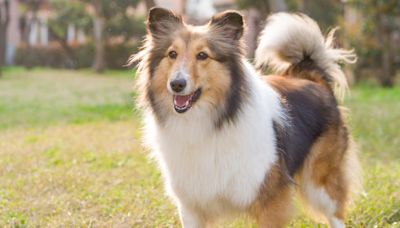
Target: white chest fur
{"points": [[217, 169]]}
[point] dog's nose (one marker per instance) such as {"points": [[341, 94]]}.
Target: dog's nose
{"points": [[178, 85]]}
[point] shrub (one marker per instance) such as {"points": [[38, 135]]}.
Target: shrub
{"points": [[49, 56], [117, 55], [80, 56]]}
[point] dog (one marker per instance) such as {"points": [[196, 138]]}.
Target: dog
{"points": [[231, 141]]}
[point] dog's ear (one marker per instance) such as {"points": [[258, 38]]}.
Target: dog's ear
{"points": [[161, 21], [230, 23]]}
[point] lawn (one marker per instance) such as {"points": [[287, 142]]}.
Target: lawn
{"points": [[70, 154]]}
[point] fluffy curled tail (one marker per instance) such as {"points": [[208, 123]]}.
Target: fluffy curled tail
{"points": [[293, 44]]}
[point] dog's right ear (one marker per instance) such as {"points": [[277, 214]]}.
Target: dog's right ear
{"points": [[229, 23], [161, 21]]}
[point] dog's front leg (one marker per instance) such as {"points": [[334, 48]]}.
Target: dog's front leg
{"points": [[191, 218]]}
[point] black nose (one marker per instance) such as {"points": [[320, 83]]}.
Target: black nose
{"points": [[178, 85]]}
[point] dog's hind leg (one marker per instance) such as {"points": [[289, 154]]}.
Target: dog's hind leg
{"points": [[277, 211], [274, 206], [322, 204], [325, 183]]}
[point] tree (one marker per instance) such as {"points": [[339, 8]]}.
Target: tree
{"points": [[107, 22], [67, 12], [32, 8], [326, 12], [257, 12], [105, 11], [380, 21], [102, 18], [98, 32], [4, 21]]}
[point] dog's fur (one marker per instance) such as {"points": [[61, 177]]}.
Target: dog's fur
{"points": [[245, 142]]}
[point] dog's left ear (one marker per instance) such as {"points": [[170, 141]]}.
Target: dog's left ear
{"points": [[230, 23]]}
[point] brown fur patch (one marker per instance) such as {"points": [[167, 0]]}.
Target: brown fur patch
{"points": [[308, 70], [326, 166], [316, 143], [310, 108], [273, 207]]}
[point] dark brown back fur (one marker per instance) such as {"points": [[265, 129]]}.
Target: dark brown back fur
{"points": [[312, 109]]}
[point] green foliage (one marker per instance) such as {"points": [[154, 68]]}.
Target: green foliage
{"points": [[49, 55], [293, 5], [317, 9], [126, 26], [119, 22], [109, 9], [324, 12], [68, 12], [53, 55], [379, 17], [117, 55], [262, 6], [373, 8], [121, 31]]}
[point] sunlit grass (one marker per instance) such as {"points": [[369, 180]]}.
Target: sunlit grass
{"points": [[70, 154], [44, 96]]}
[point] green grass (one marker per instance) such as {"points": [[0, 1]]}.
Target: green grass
{"points": [[70, 154], [44, 96]]}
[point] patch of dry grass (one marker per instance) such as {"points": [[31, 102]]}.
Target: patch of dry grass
{"points": [[69, 175]]}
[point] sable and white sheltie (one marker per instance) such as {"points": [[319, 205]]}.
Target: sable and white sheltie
{"points": [[229, 140]]}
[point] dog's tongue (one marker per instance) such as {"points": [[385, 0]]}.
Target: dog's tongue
{"points": [[181, 100]]}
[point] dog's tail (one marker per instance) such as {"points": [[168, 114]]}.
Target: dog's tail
{"points": [[293, 45]]}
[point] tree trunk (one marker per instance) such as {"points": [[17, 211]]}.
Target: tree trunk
{"points": [[255, 17], [4, 21], [388, 72], [98, 23], [386, 77], [64, 45]]}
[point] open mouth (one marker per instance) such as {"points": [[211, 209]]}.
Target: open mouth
{"points": [[182, 103]]}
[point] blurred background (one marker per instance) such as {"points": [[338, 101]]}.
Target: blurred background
{"points": [[102, 34], [70, 133]]}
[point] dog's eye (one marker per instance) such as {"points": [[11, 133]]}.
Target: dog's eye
{"points": [[201, 56], [172, 54]]}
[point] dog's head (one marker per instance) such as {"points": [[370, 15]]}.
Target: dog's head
{"points": [[186, 67]]}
